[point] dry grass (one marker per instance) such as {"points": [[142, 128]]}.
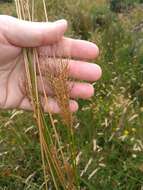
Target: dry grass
{"points": [[60, 170]]}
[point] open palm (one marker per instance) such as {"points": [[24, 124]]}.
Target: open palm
{"points": [[16, 34]]}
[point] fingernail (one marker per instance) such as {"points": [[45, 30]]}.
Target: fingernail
{"points": [[62, 21]]}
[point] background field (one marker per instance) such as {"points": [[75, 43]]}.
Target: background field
{"points": [[110, 132]]}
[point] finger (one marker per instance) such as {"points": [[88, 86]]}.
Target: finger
{"points": [[31, 34], [77, 69], [76, 89], [51, 106], [67, 47], [84, 71], [7, 51], [81, 90]]}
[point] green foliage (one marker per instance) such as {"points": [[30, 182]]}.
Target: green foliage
{"points": [[6, 1], [122, 5], [111, 120]]}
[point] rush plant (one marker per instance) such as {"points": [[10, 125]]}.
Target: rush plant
{"points": [[58, 153]]}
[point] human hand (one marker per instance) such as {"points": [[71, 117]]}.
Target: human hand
{"points": [[16, 34]]}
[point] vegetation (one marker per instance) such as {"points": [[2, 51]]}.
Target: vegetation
{"points": [[110, 125], [123, 5]]}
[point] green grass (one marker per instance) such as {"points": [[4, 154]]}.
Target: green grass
{"points": [[113, 117]]}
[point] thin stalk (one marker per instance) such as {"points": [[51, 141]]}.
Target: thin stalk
{"points": [[69, 123], [51, 118], [31, 60], [36, 103], [39, 119], [45, 10]]}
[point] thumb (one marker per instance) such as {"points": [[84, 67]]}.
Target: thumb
{"points": [[31, 34]]}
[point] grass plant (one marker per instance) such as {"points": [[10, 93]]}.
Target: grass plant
{"points": [[59, 165]]}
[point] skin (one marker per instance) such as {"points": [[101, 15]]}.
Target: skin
{"points": [[16, 34]]}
